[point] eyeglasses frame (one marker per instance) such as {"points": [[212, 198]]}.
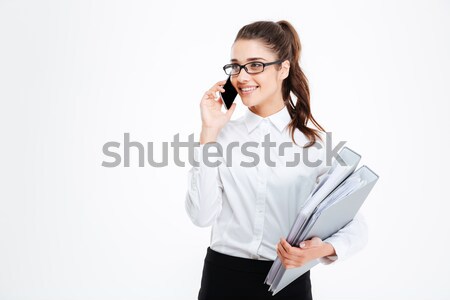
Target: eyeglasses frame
{"points": [[244, 66]]}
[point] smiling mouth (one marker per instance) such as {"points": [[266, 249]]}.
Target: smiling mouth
{"points": [[248, 90]]}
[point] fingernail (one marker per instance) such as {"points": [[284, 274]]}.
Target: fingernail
{"points": [[302, 244]]}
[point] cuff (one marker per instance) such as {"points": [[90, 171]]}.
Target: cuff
{"points": [[338, 249]]}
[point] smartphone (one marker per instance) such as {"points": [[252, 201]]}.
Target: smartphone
{"points": [[230, 93]]}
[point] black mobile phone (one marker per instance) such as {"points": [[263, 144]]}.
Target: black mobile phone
{"points": [[230, 93]]}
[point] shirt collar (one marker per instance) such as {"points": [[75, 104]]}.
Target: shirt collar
{"points": [[280, 119]]}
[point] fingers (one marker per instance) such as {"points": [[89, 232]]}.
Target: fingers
{"points": [[287, 263], [211, 94], [287, 247], [284, 245], [314, 242], [208, 98], [293, 257], [221, 83], [230, 111], [288, 251], [218, 87], [288, 259]]}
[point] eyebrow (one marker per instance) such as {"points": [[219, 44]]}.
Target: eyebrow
{"points": [[234, 60]]}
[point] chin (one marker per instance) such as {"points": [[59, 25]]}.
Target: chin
{"points": [[249, 102]]}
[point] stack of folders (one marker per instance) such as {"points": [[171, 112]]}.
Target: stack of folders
{"points": [[331, 205]]}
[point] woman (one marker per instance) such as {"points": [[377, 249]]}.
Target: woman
{"points": [[252, 200]]}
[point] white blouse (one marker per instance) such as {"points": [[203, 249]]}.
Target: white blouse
{"points": [[252, 204]]}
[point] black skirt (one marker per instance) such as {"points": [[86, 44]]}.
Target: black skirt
{"points": [[229, 277]]}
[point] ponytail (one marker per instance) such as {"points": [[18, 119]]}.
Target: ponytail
{"points": [[297, 83]]}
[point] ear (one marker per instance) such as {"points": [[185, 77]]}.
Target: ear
{"points": [[284, 71]]}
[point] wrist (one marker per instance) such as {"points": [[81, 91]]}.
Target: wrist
{"points": [[328, 250], [208, 135]]}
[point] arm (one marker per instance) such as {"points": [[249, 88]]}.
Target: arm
{"points": [[204, 196], [344, 243]]}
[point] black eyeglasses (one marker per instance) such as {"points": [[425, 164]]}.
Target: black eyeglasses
{"points": [[253, 67]]}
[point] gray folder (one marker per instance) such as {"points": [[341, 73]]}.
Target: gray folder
{"points": [[328, 217]]}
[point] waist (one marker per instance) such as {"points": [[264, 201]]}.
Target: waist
{"points": [[237, 263]]}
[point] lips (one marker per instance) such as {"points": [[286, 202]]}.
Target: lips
{"points": [[247, 89]]}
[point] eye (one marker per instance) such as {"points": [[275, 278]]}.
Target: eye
{"points": [[255, 65], [234, 67]]}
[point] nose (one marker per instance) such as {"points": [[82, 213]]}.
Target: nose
{"points": [[243, 76]]}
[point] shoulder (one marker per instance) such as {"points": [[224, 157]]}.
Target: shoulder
{"points": [[315, 155], [302, 140]]}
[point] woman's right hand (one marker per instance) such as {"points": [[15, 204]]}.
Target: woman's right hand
{"points": [[213, 119]]}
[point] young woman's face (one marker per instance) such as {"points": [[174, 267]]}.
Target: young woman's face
{"points": [[257, 89]]}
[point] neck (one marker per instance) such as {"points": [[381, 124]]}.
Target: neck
{"points": [[265, 110]]}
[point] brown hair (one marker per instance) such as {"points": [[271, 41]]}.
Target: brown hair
{"points": [[283, 40]]}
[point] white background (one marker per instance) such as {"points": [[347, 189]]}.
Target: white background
{"points": [[77, 74]]}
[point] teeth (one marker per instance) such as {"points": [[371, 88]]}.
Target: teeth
{"points": [[248, 89]]}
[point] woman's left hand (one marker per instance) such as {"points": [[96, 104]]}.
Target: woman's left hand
{"points": [[292, 257]]}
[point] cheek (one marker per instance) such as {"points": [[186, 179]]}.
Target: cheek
{"points": [[268, 83], [268, 86], [234, 83]]}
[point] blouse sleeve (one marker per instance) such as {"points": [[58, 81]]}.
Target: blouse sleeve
{"points": [[203, 201]]}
